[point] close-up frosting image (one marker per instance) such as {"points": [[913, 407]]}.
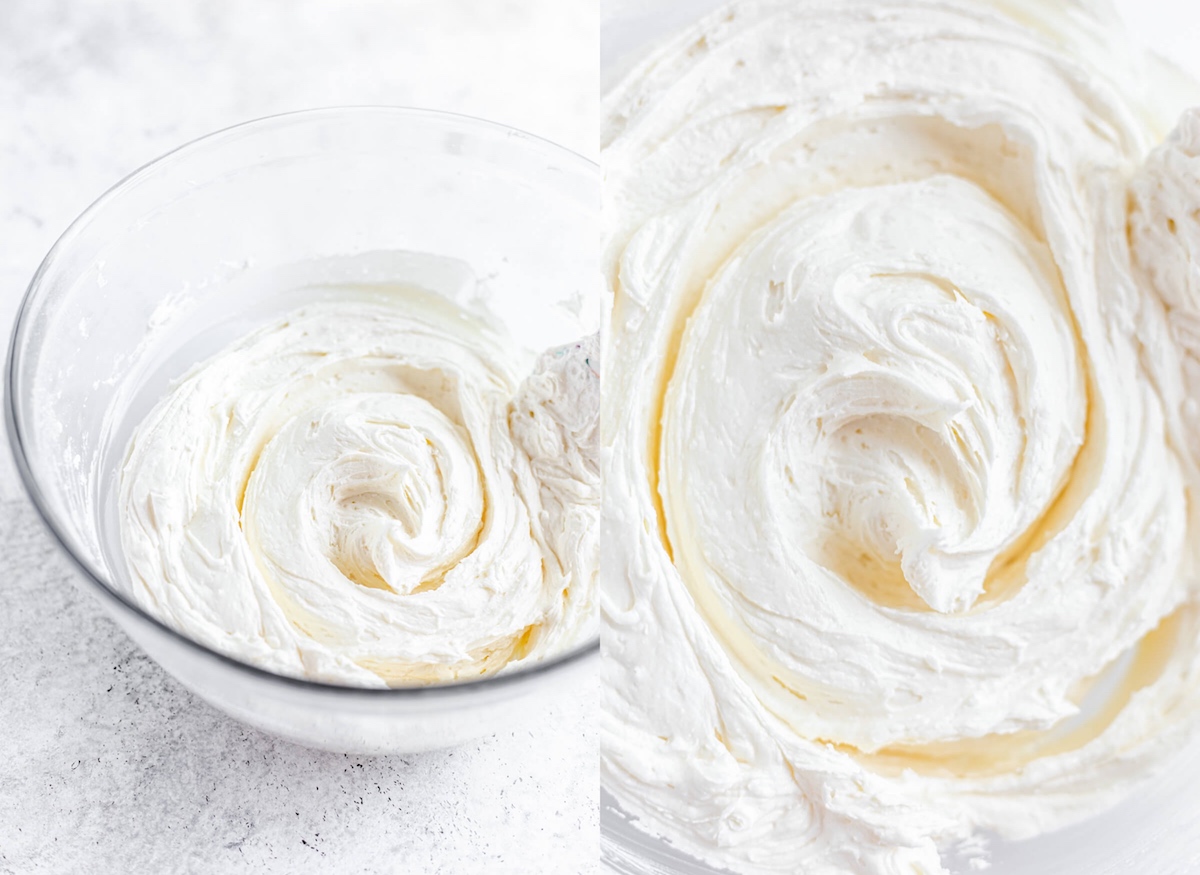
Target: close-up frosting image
{"points": [[901, 429], [370, 492]]}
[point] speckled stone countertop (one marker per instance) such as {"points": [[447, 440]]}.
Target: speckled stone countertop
{"points": [[106, 763]]}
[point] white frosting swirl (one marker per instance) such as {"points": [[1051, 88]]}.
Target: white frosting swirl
{"points": [[340, 496], [905, 450]]}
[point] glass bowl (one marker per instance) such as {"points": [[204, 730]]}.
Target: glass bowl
{"points": [[223, 234]]}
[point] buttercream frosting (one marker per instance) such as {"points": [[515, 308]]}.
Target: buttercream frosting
{"points": [[366, 492], [903, 445]]}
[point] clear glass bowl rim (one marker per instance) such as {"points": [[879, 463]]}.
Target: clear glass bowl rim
{"points": [[102, 587]]}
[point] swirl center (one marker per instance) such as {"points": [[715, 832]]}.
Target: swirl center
{"points": [[385, 487]]}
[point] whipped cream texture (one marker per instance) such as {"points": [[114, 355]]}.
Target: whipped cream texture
{"points": [[902, 422], [367, 493]]}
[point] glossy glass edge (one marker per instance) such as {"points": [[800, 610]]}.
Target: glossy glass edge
{"points": [[118, 599]]}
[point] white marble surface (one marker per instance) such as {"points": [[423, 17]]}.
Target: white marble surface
{"points": [[106, 764]]}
